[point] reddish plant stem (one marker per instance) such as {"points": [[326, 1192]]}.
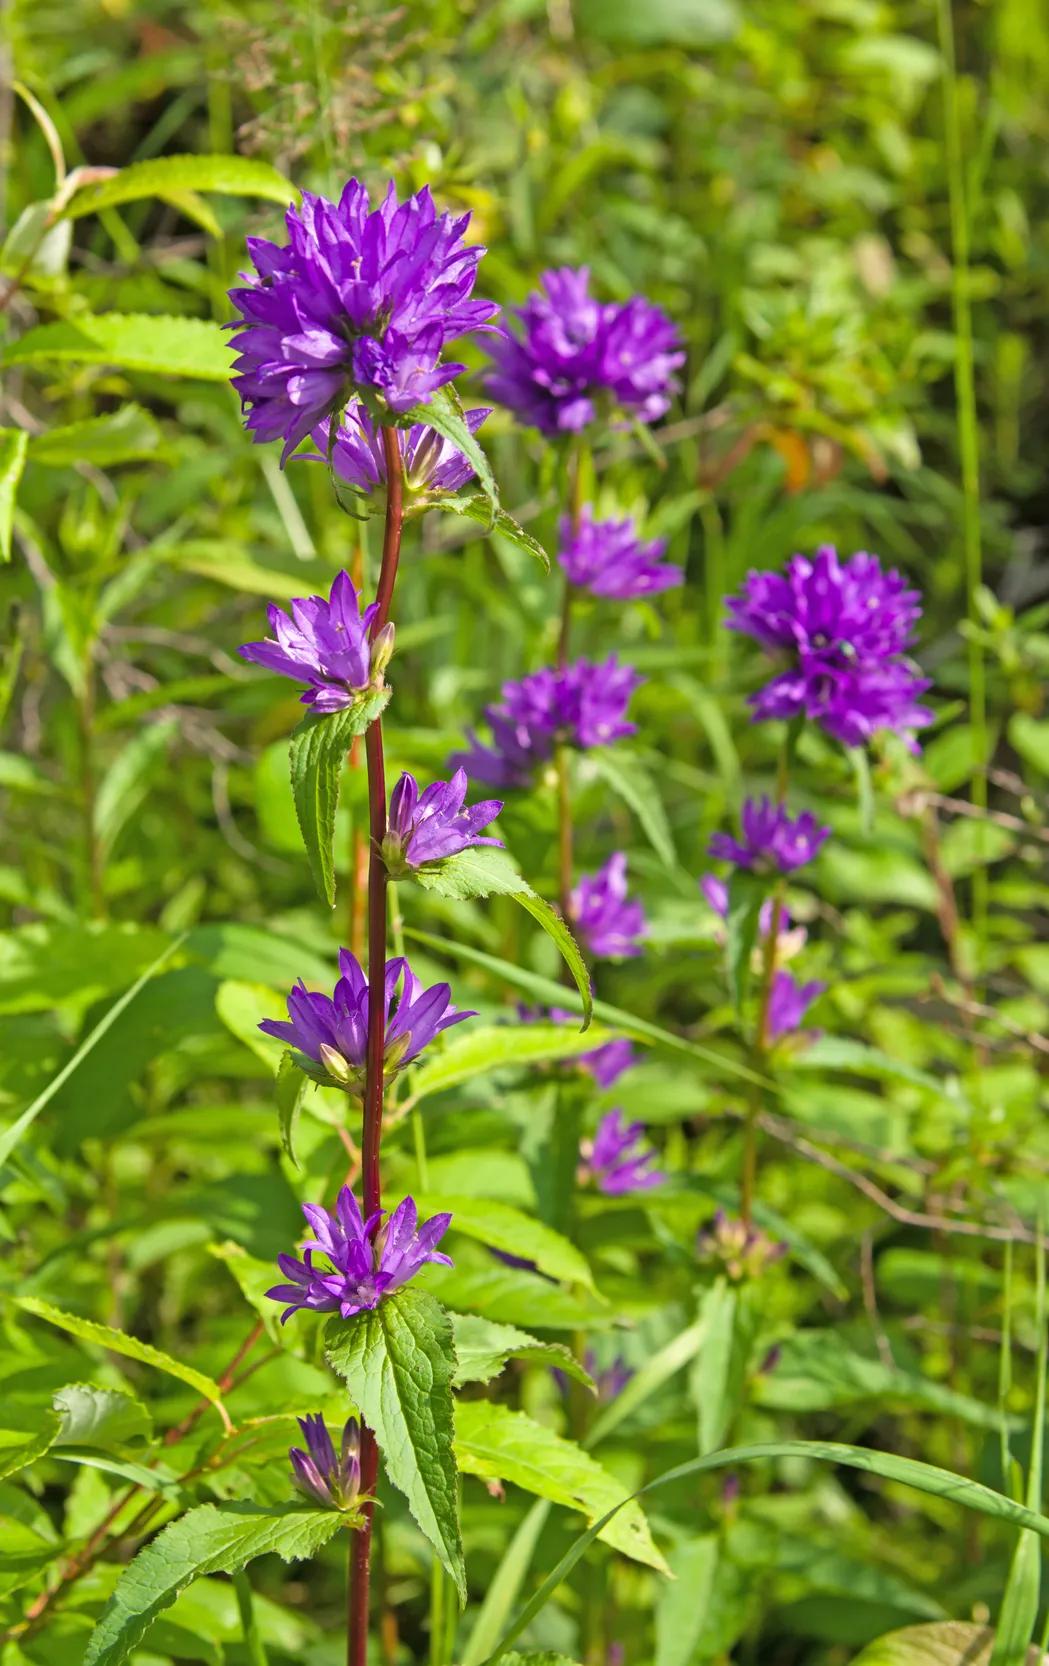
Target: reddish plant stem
{"points": [[358, 875], [361, 1546]]}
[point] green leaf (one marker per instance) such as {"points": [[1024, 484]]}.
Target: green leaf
{"points": [[398, 1361], [1030, 738], [317, 754], [627, 776], [478, 509], [13, 446], [647, 1381], [118, 1342], [475, 1049], [498, 1444], [152, 343], [483, 1348], [26, 1433], [289, 1090], [123, 437], [555, 927], [946, 1643], [512, 1231], [505, 1585], [170, 177], [545, 1658], [719, 1371], [444, 412], [746, 894], [102, 1417], [254, 1278], [126, 782], [684, 1605], [212, 1539]]}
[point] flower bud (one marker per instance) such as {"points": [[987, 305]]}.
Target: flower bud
{"points": [[382, 650], [339, 1069]]}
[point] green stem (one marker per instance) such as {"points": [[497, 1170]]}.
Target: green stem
{"points": [[249, 1625]]}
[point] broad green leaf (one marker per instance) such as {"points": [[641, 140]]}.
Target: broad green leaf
{"points": [[317, 754], [627, 776], [515, 1233], [212, 1539], [682, 1607], [444, 412], [125, 436], [13, 446], [25, 1435], [157, 1479], [477, 508], [475, 1049], [152, 343], [482, 1348], [498, 1444], [842, 1052], [398, 1361], [289, 1091], [513, 1296], [118, 1342], [102, 1417], [719, 1372], [170, 177], [946, 1643], [746, 894], [1030, 737]]}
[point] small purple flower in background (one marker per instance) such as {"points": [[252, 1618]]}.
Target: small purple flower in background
{"points": [[609, 559], [329, 1478], [844, 629], [368, 1259], [428, 826], [605, 1063], [609, 923], [582, 704], [358, 299], [609, 1380], [788, 1003], [325, 644], [329, 1033], [576, 356], [617, 1159], [772, 840], [431, 463]]}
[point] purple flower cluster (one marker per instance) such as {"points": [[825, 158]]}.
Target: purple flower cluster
{"points": [[358, 300], [430, 462], [576, 357], [617, 1160], [329, 1478], [428, 826], [368, 1259], [329, 1033], [609, 922], [844, 629], [609, 559], [582, 704], [325, 644], [743, 1252], [772, 840]]}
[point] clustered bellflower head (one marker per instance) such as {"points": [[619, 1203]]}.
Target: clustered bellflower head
{"points": [[609, 922], [428, 826], [743, 1252], [359, 300], [581, 704], [329, 1478], [577, 358], [844, 629], [430, 462], [325, 644], [609, 559], [329, 1033], [367, 1259], [772, 840], [789, 1001], [617, 1160]]}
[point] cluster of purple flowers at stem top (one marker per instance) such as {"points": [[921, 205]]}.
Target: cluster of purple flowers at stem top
{"points": [[329, 1033], [358, 457], [609, 923], [576, 358], [609, 559], [359, 300], [428, 826], [772, 841], [367, 1259], [325, 644], [617, 1160], [329, 1478], [843, 629], [581, 704]]}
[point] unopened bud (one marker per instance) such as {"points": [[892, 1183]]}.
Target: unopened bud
{"points": [[339, 1069], [382, 649]]}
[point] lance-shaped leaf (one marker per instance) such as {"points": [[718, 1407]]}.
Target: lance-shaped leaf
{"points": [[508, 1229], [26, 1433], [318, 752], [13, 443], [399, 1361], [170, 177], [478, 1048], [118, 1342], [153, 343], [212, 1539], [290, 1090], [477, 508], [444, 412], [746, 894]]}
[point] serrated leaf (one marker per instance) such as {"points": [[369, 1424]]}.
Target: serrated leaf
{"points": [[398, 1361], [100, 1417], [13, 445], [317, 754], [555, 927], [26, 1433], [628, 777], [478, 509], [473, 1050], [498, 1444], [510, 1230], [444, 412], [152, 343], [219, 1538], [123, 437], [289, 1090], [118, 1342], [168, 177], [746, 895], [483, 1348]]}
